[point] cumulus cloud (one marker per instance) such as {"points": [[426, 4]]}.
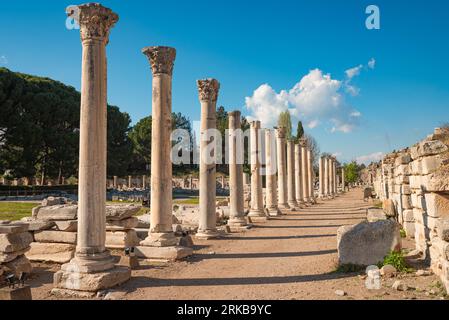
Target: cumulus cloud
{"points": [[317, 98], [367, 159], [351, 73], [3, 60]]}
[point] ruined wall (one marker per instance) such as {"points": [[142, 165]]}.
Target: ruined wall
{"points": [[416, 179]]}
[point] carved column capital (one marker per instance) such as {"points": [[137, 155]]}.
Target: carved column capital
{"points": [[95, 21], [161, 59], [281, 132], [208, 89]]}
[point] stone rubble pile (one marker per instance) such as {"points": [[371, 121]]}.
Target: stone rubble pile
{"points": [[120, 226], [416, 182], [15, 241]]}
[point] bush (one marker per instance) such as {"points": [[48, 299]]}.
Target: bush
{"points": [[396, 259]]}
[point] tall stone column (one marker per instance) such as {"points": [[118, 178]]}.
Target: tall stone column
{"points": [[311, 175], [331, 176], [305, 171], [271, 168], [237, 217], [144, 182], [326, 176], [208, 94], [321, 177], [298, 176], [343, 182], [130, 182], [115, 182], [257, 209], [161, 241], [282, 167], [92, 268], [291, 193], [334, 170], [223, 182]]}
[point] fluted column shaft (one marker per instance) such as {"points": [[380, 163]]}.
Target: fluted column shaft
{"points": [[311, 176], [321, 177], [305, 172], [298, 176], [208, 94], [271, 168], [282, 168], [291, 193], [256, 178], [343, 182]]}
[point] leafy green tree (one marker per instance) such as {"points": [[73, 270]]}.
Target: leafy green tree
{"points": [[140, 136], [120, 146], [351, 172], [286, 122]]}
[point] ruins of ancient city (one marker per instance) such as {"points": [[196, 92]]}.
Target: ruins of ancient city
{"points": [[239, 206]]}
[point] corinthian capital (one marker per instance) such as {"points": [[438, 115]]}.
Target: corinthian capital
{"points": [[95, 21], [281, 132], [161, 59], [303, 142], [208, 89]]}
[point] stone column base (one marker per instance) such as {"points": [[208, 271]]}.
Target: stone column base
{"points": [[79, 284], [20, 293], [166, 239], [263, 218], [171, 253], [256, 213], [273, 212], [207, 234], [238, 224]]}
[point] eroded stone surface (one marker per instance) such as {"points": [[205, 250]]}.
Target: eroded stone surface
{"points": [[51, 252]]}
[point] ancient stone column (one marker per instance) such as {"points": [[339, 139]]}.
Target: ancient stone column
{"points": [[144, 181], [161, 241], [305, 171], [321, 177], [271, 168], [298, 176], [257, 209], [130, 182], [282, 168], [115, 182], [311, 175], [343, 183], [92, 268], [326, 176], [208, 94], [334, 170], [291, 193], [237, 217]]}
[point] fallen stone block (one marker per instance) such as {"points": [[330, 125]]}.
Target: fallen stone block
{"points": [[67, 225], [121, 239], [11, 242], [443, 229], [37, 225], [10, 256], [128, 223], [14, 228], [375, 214], [367, 243], [54, 236], [389, 208], [121, 212], [51, 252], [58, 213], [16, 294]]}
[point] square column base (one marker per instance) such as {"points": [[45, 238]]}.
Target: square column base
{"points": [[171, 253], [87, 284], [274, 212], [208, 234], [258, 219], [21, 293]]}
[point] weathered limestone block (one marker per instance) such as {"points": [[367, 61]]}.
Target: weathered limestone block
{"points": [[420, 215], [437, 205], [405, 189], [11, 242], [389, 208], [10, 256], [403, 159], [416, 167], [54, 201], [408, 216], [18, 265], [14, 228], [431, 164], [402, 179], [375, 214], [54, 236], [36, 225], [421, 236], [406, 202], [402, 169], [415, 182], [437, 181], [59, 212], [441, 247], [443, 229], [121, 239], [121, 212], [91, 282], [427, 148], [51, 252], [67, 225], [367, 243], [409, 228], [128, 223]]}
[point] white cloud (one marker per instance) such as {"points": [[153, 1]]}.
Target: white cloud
{"points": [[367, 159], [351, 73], [315, 99], [3, 60], [372, 63]]}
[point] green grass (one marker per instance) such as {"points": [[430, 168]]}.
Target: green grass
{"points": [[396, 259], [15, 210], [403, 233], [378, 204], [195, 200]]}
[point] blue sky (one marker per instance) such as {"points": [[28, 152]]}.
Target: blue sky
{"points": [[248, 44]]}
